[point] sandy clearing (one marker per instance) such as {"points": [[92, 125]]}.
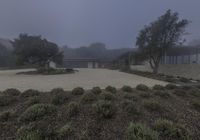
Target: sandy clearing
{"points": [[86, 78]]}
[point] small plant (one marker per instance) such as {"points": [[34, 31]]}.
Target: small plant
{"points": [[30, 93], [194, 92], [6, 100], [12, 92], [130, 96], [58, 99], [145, 95], [153, 106], [105, 109], [27, 133], [127, 89], [179, 92], [130, 108], [170, 86], [5, 116], [158, 87], [96, 90], [196, 105], [111, 89], [88, 97], [140, 132], [36, 112], [73, 108], [64, 132], [32, 101], [57, 91], [163, 94], [172, 131], [107, 96], [184, 80], [142, 87], [78, 91]]}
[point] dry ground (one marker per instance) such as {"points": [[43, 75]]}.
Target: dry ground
{"points": [[86, 78]]}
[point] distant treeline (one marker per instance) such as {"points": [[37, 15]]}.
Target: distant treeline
{"points": [[95, 51]]}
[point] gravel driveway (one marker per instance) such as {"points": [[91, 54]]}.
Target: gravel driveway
{"points": [[86, 78]]}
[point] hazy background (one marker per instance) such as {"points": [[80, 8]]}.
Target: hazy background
{"points": [[81, 22]]}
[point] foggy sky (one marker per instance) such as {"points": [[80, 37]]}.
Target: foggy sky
{"points": [[81, 22]]}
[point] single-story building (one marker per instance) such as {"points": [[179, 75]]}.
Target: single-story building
{"points": [[182, 55], [81, 63]]}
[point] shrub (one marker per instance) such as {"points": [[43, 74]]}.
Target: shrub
{"points": [[73, 108], [111, 89], [96, 90], [57, 91], [64, 132], [107, 96], [58, 99], [4, 116], [130, 96], [142, 87], [184, 80], [12, 92], [140, 132], [30, 93], [196, 105], [169, 130], [179, 92], [163, 94], [26, 133], [88, 97], [158, 87], [170, 86], [130, 108], [105, 109], [36, 112], [78, 91], [127, 89], [32, 101], [153, 106], [145, 94], [194, 92], [6, 100]]}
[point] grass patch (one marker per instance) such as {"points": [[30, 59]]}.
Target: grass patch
{"points": [[137, 131], [153, 106], [11, 92], [78, 91], [171, 86], [59, 99], [5, 116], [130, 108], [180, 92], [37, 111], [30, 93], [64, 132], [96, 90], [130, 96], [158, 87], [6, 100], [142, 87], [196, 105], [107, 96], [171, 131], [105, 109], [162, 94], [127, 89], [111, 89], [73, 108], [32, 101], [88, 97]]}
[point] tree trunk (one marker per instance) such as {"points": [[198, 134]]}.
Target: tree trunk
{"points": [[155, 69]]}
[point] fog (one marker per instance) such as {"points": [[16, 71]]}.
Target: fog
{"points": [[81, 22]]}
